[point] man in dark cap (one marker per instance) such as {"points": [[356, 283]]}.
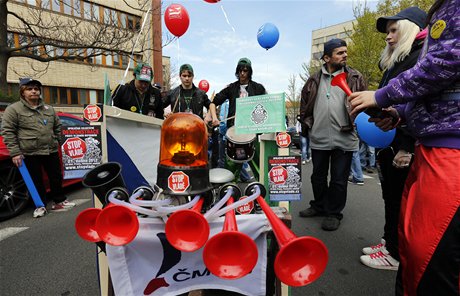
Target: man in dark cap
{"points": [[31, 131], [243, 87], [139, 95], [324, 110]]}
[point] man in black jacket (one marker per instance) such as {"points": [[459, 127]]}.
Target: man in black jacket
{"points": [[187, 97], [139, 95], [243, 87]]}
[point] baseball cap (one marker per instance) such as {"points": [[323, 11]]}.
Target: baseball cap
{"points": [[157, 85], [331, 45], [413, 14], [143, 72], [244, 62], [28, 80], [186, 67]]}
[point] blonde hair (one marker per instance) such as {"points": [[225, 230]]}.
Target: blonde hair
{"points": [[407, 31]]}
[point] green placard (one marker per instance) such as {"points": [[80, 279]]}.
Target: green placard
{"points": [[260, 114]]}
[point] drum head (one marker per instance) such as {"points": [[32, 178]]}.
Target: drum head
{"points": [[239, 148], [239, 139]]}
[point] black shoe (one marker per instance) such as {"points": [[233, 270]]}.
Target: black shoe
{"points": [[330, 223], [310, 212]]}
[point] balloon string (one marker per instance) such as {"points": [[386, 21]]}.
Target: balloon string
{"points": [[178, 51], [131, 57], [226, 18]]}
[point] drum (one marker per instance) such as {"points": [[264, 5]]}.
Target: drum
{"points": [[239, 148]]}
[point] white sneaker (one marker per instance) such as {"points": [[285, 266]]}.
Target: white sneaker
{"points": [[39, 212], [374, 249], [380, 260], [303, 162], [62, 206]]}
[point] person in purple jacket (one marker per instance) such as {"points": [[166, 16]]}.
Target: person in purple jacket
{"points": [[427, 98]]}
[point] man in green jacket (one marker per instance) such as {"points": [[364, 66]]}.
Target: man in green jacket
{"points": [[31, 131]]}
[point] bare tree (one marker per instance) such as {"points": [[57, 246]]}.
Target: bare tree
{"points": [[292, 99], [48, 38]]}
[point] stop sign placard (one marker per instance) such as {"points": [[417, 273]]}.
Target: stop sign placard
{"points": [[278, 175], [246, 208], [178, 182], [74, 147], [92, 113], [283, 139]]}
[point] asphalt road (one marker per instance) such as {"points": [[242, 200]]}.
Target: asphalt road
{"points": [[46, 257]]}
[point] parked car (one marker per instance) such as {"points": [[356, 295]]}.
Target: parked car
{"points": [[14, 196], [295, 138]]}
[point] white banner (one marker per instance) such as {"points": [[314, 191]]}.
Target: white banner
{"points": [[150, 266]]}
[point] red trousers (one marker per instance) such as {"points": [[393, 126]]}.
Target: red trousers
{"points": [[430, 201]]}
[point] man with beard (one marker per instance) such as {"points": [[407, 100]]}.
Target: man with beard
{"points": [[324, 110]]}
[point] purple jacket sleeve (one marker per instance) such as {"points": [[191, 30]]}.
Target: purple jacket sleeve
{"points": [[437, 67]]}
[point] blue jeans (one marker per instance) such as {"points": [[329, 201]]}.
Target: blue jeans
{"points": [[366, 153], [304, 145], [356, 170], [222, 156]]}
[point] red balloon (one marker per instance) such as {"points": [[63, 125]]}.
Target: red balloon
{"points": [[212, 1], [177, 19], [203, 85]]}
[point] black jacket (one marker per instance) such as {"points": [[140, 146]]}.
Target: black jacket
{"points": [[126, 97], [232, 92], [403, 139], [199, 100]]}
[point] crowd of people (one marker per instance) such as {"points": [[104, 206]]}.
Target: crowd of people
{"points": [[418, 95]]}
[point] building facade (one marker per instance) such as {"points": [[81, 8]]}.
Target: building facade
{"points": [[321, 36], [75, 82]]}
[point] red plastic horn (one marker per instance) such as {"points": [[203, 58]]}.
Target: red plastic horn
{"points": [[341, 81], [230, 254], [290, 267], [85, 224], [117, 225], [187, 230]]}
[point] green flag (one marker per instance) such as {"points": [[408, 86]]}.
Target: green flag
{"points": [[107, 93], [260, 114]]}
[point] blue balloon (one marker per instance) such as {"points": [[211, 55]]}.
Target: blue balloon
{"points": [[371, 134], [268, 35]]}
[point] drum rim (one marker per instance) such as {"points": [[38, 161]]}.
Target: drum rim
{"points": [[253, 137]]}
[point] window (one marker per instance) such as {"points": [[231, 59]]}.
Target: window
{"points": [[62, 96], [318, 40], [35, 49], [56, 5], [100, 96], [98, 59], [331, 37], [49, 50], [54, 99], [87, 10], [110, 17], [46, 4], [67, 6], [83, 96], [10, 39], [32, 2], [131, 22], [122, 20], [77, 8], [109, 60], [116, 60], [73, 96], [95, 12], [23, 42], [124, 61]]}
